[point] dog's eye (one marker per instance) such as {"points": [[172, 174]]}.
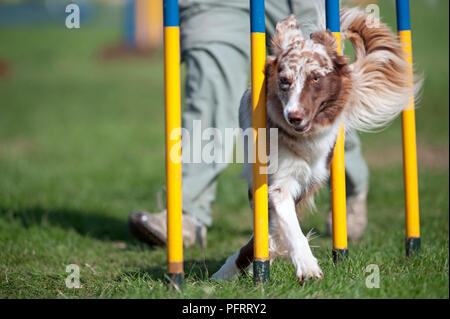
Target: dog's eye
{"points": [[284, 83], [316, 79]]}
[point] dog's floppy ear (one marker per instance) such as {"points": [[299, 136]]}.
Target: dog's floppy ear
{"points": [[327, 39], [289, 23], [287, 32], [271, 64]]}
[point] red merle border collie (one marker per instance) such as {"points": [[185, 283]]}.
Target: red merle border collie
{"points": [[311, 91]]}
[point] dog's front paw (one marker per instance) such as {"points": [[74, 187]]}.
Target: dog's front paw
{"points": [[309, 269]]}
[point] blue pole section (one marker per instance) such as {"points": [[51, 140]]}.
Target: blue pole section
{"points": [[403, 20], [332, 15], [171, 13], [130, 23], [257, 16]]}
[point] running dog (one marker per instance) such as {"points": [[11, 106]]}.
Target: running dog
{"points": [[311, 91]]}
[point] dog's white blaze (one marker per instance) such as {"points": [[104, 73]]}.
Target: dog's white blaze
{"points": [[302, 69], [294, 98]]}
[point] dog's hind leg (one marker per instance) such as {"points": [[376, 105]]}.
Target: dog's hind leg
{"points": [[306, 265], [236, 264], [240, 261]]}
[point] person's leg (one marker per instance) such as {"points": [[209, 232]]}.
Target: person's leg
{"points": [[215, 50], [356, 187], [356, 170], [305, 11]]}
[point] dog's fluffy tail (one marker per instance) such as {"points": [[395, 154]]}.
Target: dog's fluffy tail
{"points": [[382, 83]]}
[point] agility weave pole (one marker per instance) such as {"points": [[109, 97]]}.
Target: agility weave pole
{"points": [[143, 21], [338, 205], [175, 270], [148, 23], [173, 140], [409, 139], [130, 23], [261, 264]]}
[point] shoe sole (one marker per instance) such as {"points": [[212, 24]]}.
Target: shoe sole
{"points": [[145, 235]]}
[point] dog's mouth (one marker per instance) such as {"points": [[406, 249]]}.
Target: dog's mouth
{"points": [[304, 128], [307, 127]]}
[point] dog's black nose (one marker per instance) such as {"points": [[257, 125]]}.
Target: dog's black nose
{"points": [[295, 118]]}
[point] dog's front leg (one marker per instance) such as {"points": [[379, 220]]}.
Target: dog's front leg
{"points": [[283, 206]]}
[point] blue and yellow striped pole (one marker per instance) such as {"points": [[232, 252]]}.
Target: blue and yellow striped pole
{"points": [[261, 265], [143, 24], [339, 215], [409, 140], [173, 141]]}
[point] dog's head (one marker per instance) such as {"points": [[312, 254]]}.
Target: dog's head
{"points": [[308, 79]]}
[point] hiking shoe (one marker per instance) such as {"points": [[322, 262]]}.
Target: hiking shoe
{"points": [[356, 217], [152, 229]]}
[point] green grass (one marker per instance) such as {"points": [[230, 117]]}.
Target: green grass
{"points": [[81, 146]]}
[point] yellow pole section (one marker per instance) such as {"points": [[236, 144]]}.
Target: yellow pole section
{"points": [[154, 23], [173, 148], [339, 209], [410, 151], [141, 23], [261, 216]]}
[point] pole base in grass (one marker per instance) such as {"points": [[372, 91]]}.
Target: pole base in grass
{"points": [[339, 255], [412, 246], [175, 280], [261, 271]]}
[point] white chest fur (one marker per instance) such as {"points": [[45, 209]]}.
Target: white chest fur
{"points": [[303, 164]]}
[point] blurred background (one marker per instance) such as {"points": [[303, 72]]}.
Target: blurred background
{"points": [[82, 146]]}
